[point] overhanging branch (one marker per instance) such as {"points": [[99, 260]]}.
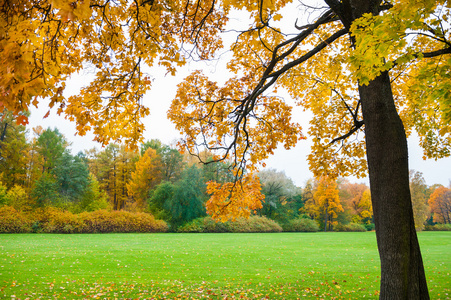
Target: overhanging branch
{"points": [[357, 126]]}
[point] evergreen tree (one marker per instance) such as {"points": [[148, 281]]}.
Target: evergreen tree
{"points": [[72, 176]]}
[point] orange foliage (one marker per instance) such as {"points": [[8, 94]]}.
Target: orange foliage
{"points": [[145, 176], [326, 201], [43, 43], [53, 220], [14, 221], [440, 204], [232, 200]]}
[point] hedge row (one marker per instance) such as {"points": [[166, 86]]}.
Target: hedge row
{"points": [[351, 227], [52, 220], [13, 221], [301, 225], [438, 227], [252, 224]]}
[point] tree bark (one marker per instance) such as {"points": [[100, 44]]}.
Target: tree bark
{"points": [[326, 220], [402, 271], [2, 137]]}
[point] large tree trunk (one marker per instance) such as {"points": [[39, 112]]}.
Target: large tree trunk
{"points": [[402, 268]]}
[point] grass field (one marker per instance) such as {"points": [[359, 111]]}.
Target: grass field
{"points": [[204, 266]]}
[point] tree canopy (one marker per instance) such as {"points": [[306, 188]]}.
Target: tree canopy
{"points": [[42, 43]]}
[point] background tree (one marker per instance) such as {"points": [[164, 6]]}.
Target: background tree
{"points": [[188, 198], [3, 191], [356, 199], [172, 163], [158, 197], [125, 166], [45, 191], [13, 151], [326, 202], [93, 197], [365, 208], [113, 168], [420, 196], [146, 176], [72, 176], [307, 196], [280, 202], [50, 146], [19, 198], [218, 171], [105, 170], [440, 204], [182, 201], [171, 160], [33, 167]]}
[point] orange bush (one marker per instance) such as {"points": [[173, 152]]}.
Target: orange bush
{"points": [[121, 221], [53, 220], [58, 221], [14, 221]]}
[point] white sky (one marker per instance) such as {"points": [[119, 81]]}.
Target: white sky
{"points": [[293, 162]]}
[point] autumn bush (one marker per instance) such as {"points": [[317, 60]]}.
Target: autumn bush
{"points": [[54, 220], [301, 225], [255, 224], [252, 224], [14, 221], [438, 227], [103, 221], [213, 226], [351, 227]]}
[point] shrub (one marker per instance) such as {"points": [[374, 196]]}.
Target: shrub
{"points": [[302, 225], [36, 227], [351, 227], [213, 226], [438, 227], [252, 224], [54, 220], [13, 221], [59, 221], [102, 221], [196, 225], [369, 227]]}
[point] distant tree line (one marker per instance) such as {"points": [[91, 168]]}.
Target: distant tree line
{"points": [[40, 171]]}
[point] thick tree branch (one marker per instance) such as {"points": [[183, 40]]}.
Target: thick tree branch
{"points": [[437, 52], [357, 126], [249, 102]]}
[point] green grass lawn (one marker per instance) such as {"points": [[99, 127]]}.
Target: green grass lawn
{"points": [[203, 266]]}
